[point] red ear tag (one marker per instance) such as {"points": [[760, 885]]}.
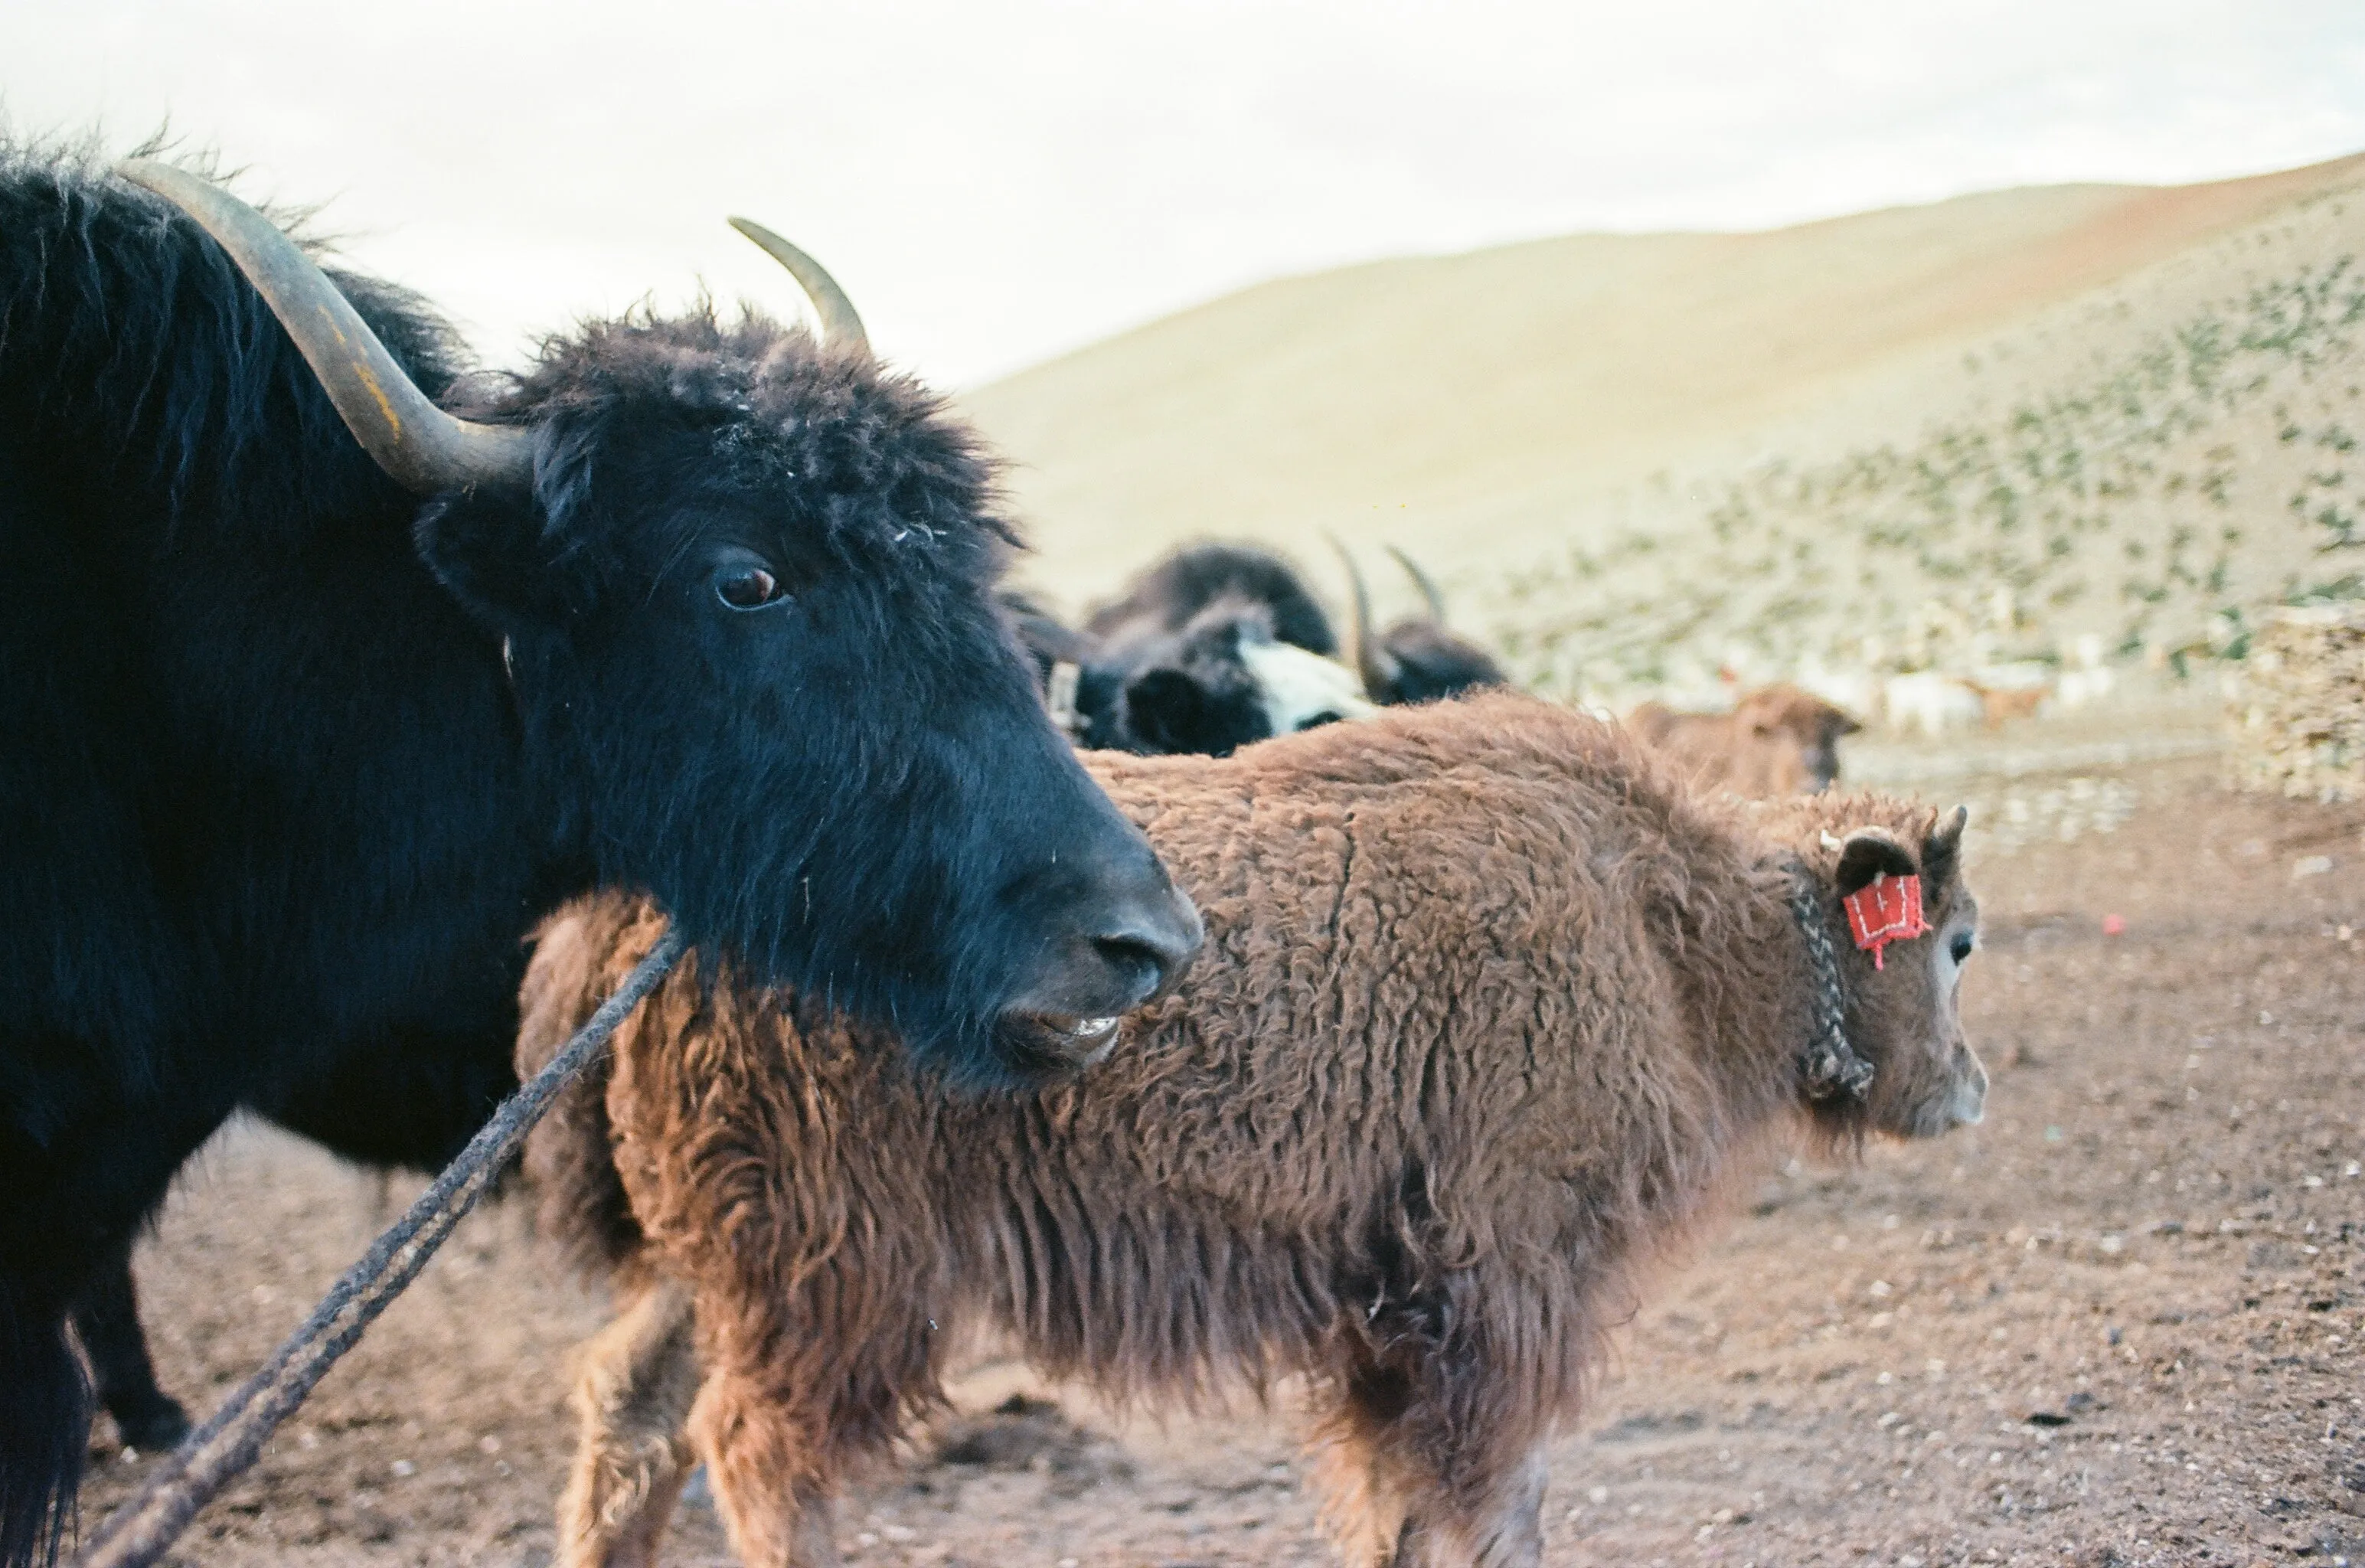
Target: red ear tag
{"points": [[1886, 910]]}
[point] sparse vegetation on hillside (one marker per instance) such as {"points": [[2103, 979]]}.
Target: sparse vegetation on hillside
{"points": [[2210, 473]]}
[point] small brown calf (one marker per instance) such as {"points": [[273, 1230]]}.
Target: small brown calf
{"points": [[1495, 1009], [1777, 739]]}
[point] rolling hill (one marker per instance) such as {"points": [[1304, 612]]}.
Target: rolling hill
{"points": [[1993, 426]]}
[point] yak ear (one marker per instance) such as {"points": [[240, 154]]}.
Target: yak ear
{"points": [[499, 553], [1943, 850], [485, 551], [1868, 853]]}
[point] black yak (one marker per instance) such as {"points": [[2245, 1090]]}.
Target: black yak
{"points": [[302, 736], [1212, 686], [1213, 647], [1174, 590]]}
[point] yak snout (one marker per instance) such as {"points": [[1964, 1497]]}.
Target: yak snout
{"points": [[1125, 944], [1955, 1096], [1969, 1105]]}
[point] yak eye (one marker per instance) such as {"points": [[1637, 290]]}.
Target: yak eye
{"points": [[1961, 947], [746, 587]]}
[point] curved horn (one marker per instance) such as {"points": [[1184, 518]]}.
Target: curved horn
{"points": [[424, 449], [1373, 660], [1420, 579], [840, 327]]}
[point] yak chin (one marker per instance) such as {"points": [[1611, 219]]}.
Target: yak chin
{"points": [[1037, 1050]]}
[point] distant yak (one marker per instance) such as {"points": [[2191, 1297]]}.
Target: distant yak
{"points": [[1777, 739], [1214, 647]]}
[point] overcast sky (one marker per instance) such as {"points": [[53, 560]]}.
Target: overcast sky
{"points": [[995, 183]]}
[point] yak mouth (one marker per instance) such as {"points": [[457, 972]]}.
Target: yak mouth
{"points": [[1046, 1045]]}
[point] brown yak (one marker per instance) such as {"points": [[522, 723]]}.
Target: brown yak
{"points": [[1494, 1008], [1777, 739]]}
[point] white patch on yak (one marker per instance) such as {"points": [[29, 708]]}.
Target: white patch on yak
{"points": [[1302, 690]]}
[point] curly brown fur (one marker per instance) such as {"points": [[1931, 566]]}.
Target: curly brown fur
{"points": [[1494, 1008], [639, 1379], [1777, 739]]}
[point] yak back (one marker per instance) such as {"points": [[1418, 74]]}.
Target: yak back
{"points": [[134, 348]]}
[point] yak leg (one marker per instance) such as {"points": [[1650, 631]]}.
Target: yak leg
{"points": [[1362, 1503], [107, 1321], [632, 1399], [1500, 1526], [1402, 1489], [776, 1501]]}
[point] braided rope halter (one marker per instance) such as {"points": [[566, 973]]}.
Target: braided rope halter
{"points": [[1833, 1068]]}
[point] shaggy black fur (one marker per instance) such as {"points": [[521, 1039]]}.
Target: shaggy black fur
{"points": [[1185, 692], [1173, 592], [271, 802], [1162, 670], [402, 1105], [1432, 663]]}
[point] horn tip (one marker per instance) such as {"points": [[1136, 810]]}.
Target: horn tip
{"points": [[147, 171]]}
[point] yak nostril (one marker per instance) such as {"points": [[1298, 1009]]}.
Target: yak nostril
{"points": [[1139, 967], [1151, 947]]}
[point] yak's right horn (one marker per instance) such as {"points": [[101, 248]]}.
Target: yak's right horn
{"points": [[1373, 660], [840, 327], [424, 449], [1435, 600]]}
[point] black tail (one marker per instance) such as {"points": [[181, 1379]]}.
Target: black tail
{"points": [[44, 1423]]}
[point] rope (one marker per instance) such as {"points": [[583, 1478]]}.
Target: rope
{"points": [[143, 1529], [1833, 1068]]}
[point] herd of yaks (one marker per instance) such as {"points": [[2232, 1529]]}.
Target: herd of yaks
{"points": [[1202, 1012]]}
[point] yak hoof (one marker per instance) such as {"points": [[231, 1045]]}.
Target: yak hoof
{"points": [[152, 1428]]}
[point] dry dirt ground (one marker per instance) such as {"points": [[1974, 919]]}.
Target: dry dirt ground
{"points": [[2120, 1323]]}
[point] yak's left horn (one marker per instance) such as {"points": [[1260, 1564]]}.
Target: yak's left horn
{"points": [[424, 449], [1373, 661], [840, 327], [1435, 600]]}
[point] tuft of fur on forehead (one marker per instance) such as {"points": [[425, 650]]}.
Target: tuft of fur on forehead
{"points": [[1816, 823], [772, 405]]}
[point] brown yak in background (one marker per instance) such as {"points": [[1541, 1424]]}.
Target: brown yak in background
{"points": [[1777, 739]]}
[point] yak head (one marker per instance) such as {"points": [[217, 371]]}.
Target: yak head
{"points": [[1899, 995], [1786, 722], [1211, 647], [1218, 683], [738, 579], [1418, 659]]}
